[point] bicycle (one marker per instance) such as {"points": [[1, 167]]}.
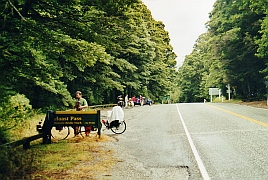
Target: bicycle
{"points": [[120, 102], [130, 104], [83, 131], [62, 132], [116, 126]]}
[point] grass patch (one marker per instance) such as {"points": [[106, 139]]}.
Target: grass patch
{"points": [[16, 163], [233, 101], [27, 129], [258, 104], [74, 158], [224, 100]]}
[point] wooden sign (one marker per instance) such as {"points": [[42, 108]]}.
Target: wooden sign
{"points": [[78, 118]]}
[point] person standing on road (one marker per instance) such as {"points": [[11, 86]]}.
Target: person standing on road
{"points": [[141, 100], [126, 100], [133, 100], [80, 105], [120, 100]]}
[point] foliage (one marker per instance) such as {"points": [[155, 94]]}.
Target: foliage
{"points": [[16, 163], [233, 50], [4, 136], [50, 49], [14, 111]]}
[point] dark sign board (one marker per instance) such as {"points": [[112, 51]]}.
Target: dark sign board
{"points": [[79, 118]]}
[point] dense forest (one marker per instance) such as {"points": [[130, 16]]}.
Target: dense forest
{"points": [[234, 51], [49, 49]]}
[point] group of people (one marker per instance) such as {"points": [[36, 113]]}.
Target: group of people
{"points": [[81, 104], [129, 101]]}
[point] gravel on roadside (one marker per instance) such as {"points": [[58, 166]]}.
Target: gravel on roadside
{"points": [[128, 167]]}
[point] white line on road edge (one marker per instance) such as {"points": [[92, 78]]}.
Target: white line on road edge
{"points": [[197, 157]]}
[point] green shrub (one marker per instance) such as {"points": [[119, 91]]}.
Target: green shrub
{"points": [[4, 136], [13, 111], [16, 163]]}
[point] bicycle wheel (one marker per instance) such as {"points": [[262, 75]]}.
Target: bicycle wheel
{"points": [[85, 130], [60, 133], [119, 128]]}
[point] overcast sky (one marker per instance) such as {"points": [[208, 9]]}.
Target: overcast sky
{"points": [[184, 20]]}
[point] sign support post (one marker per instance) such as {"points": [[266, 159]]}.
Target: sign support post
{"points": [[229, 92], [266, 84]]}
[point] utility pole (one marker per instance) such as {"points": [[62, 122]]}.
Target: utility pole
{"points": [[229, 91]]}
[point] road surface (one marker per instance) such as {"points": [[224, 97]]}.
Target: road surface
{"points": [[197, 141]]}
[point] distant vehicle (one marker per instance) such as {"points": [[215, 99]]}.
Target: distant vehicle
{"points": [[137, 102], [145, 102], [148, 102]]}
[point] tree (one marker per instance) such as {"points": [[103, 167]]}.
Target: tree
{"points": [[231, 46], [49, 49]]}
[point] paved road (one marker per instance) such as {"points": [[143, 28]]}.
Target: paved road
{"points": [[198, 141], [232, 140]]}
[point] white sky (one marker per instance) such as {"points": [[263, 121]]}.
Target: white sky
{"points": [[184, 20]]}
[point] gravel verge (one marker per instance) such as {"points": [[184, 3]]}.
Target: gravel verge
{"points": [[128, 167]]}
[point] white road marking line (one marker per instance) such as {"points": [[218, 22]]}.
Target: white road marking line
{"points": [[197, 157]]}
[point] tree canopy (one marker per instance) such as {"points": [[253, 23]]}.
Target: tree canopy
{"points": [[232, 51], [50, 49]]}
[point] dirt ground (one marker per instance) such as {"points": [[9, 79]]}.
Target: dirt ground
{"points": [[258, 104]]}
